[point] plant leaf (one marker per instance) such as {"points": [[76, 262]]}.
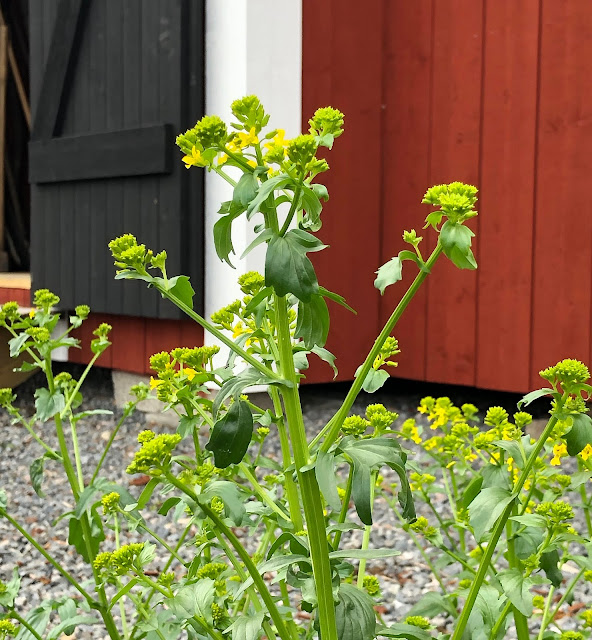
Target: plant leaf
{"points": [[231, 496], [580, 434], [265, 190], [534, 395], [231, 435], [36, 473], [325, 473], [402, 630], [48, 404], [431, 604], [486, 508], [355, 615], [247, 627], [374, 380], [326, 356], [245, 190], [364, 554], [336, 298], [456, 242], [181, 288], [223, 231], [389, 273], [287, 268], [193, 600], [517, 588], [313, 322], [367, 456]]}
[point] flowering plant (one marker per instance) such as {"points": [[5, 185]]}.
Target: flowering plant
{"points": [[210, 584]]}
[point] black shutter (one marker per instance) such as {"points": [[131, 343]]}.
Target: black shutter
{"points": [[112, 82]]}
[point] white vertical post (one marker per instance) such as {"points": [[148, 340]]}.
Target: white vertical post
{"points": [[252, 47]]}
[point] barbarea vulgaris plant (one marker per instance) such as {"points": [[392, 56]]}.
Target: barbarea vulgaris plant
{"points": [[212, 582]]}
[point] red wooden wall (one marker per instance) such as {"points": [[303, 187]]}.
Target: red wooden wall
{"points": [[491, 93]]}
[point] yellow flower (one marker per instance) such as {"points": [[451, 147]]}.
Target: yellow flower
{"points": [[32, 313], [195, 159], [252, 163], [278, 139], [222, 159], [190, 373], [559, 451], [247, 139], [586, 452], [154, 382]]}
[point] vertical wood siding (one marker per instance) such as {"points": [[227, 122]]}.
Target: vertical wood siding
{"points": [[491, 93]]}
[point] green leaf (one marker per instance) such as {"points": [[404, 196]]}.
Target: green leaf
{"points": [[76, 536], [16, 344], [313, 322], [38, 619], [534, 395], [72, 623], [264, 236], [326, 478], [187, 424], [247, 627], [374, 380], [367, 456], [237, 384], [389, 273], [36, 473], [486, 508], [486, 611], [3, 499], [549, 564], [326, 356], [527, 542], [287, 268], [456, 242], [245, 190], [231, 496], [266, 189], [432, 604], [181, 288], [123, 591], [258, 299], [223, 231], [336, 298], [312, 205], [402, 630], [231, 435], [298, 545], [66, 611], [531, 520], [355, 615], [12, 589], [364, 554], [193, 600], [580, 434], [48, 404], [517, 588], [471, 491]]}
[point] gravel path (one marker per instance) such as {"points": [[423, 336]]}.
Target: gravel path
{"points": [[403, 578]]}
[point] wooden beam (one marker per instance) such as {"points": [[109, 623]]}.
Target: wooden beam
{"points": [[131, 152], [59, 68]]}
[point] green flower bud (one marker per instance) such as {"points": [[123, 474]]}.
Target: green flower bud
{"points": [[522, 418], [301, 150], [45, 299], [251, 283], [39, 334], [10, 311], [496, 416], [82, 311], [140, 391], [159, 260], [7, 628], [6, 397], [327, 120], [250, 113], [571, 635], [354, 426], [371, 585], [110, 502], [411, 237], [418, 621], [211, 570], [567, 372], [211, 131], [155, 454], [119, 245], [160, 361]]}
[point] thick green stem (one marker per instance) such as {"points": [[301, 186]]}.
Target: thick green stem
{"points": [[344, 507], [331, 430], [567, 594], [500, 621], [262, 493], [311, 495], [500, 525], [519, 618]]}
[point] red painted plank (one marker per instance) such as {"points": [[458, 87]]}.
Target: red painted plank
{"points": [[161, 335], [191, 334], [129, 344], [563, 220], [342, 67], [507, 194], [405, 159], [454, 155]]}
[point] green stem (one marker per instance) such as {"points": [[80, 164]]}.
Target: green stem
{"points": [[500, 621], [78, 385], [331, 430], [124, 625], [567, 594], [294, 204], [262, 493], [545, 620], [220, 527], [289, 484], [13, 614], [112, 437], [49, 558], [28, 427], [77, 460], [201, 626], [519, 618], [311, 495], [367, 532], [266, 371], [585, 503], [500, 525], [344, 507]]}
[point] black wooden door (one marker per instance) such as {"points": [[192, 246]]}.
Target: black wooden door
{"points": [[112, 82]]}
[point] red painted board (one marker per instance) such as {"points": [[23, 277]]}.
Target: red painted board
{"points": [[506, 198], [454, 155], [191, 334], [563, 215], [129, 344], [161, 335], [342, 67], [407, 90]]}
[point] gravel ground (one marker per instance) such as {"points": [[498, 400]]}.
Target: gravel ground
{"points": [[404, 578]]}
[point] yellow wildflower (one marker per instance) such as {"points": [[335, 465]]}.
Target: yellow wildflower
{"points": [[247, 139], [32, 313], [194, 159], [252, 163], [222, 159], [586, 452], [559, 451], [154, 382], [190, 373]]}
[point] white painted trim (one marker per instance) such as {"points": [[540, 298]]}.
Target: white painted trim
{"points": [[252, 47]]}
